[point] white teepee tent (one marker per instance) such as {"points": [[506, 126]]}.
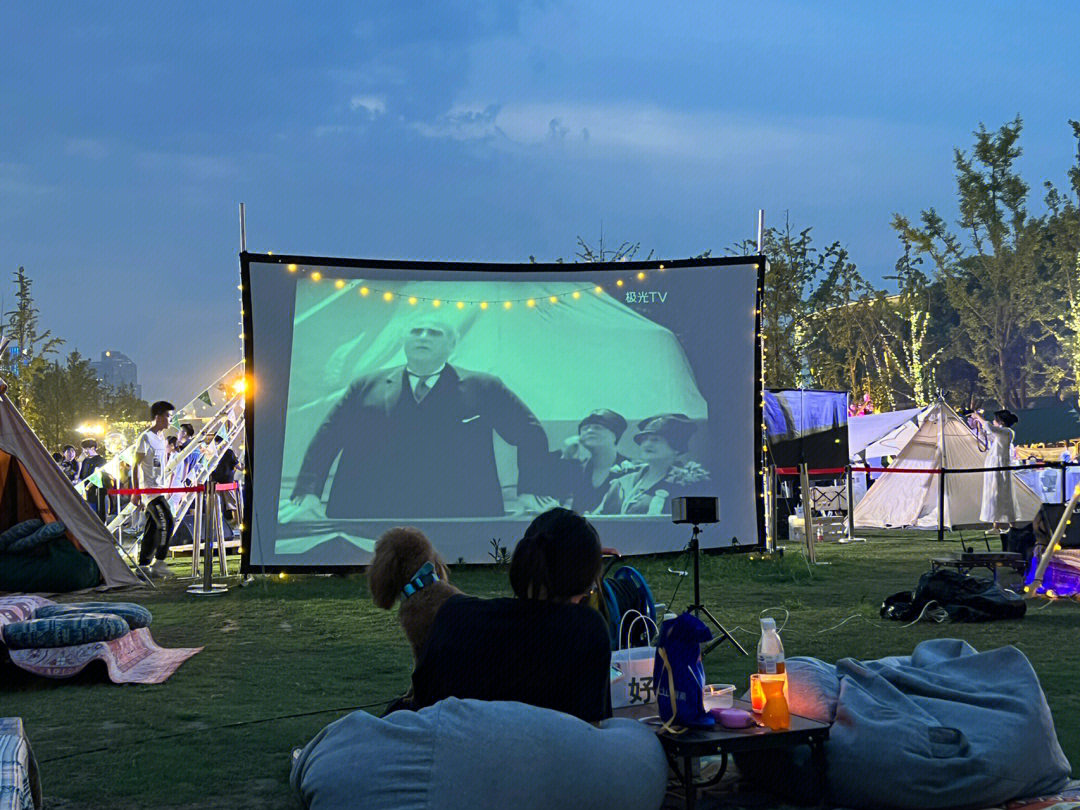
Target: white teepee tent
{"points": [[911, 499]]}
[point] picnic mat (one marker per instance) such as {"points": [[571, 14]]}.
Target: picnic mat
{"points": [[133, 658]]}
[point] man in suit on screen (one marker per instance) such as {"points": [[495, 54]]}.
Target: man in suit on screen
{"points": [[415, 441]]}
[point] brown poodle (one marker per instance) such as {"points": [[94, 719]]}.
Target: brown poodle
{"points": [[399, 554]]}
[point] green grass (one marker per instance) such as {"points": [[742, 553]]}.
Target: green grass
{"points": [[280, 652]]}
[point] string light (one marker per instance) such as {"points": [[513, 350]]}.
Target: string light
{"points": [[292, 267], [661, 268], [641, 276], [531, 302], [507, 304], [598, 289], [387, 296], [618, 283], [576, 294], [460, 305], [554, 299], [340, 283], [364, 291], [436, 303], [412, 300], [483, 305], [316, 276]]}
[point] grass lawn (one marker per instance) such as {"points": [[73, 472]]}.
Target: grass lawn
{"points": [[284, 657]]}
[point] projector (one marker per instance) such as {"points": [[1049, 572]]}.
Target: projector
{"points": [[695, 510]]}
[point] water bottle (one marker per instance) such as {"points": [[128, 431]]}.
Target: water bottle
{"points": [[770, 652]]}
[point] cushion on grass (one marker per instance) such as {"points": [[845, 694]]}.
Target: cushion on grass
{"points": [[63, 631], [50, 531], [19, 531], [56, 567], [135, 615], [483, 755]]}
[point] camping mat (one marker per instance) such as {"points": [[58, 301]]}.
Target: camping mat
{"points": [[134, 658], [733, 792]]}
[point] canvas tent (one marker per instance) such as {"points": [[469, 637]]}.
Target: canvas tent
{"points": [[32, 486], [911, 499]]}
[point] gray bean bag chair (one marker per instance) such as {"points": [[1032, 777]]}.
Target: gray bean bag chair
{"points": [[480, 755]]}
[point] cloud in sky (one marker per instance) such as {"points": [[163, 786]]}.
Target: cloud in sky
{"points": [[371, 106], [91, 148]]}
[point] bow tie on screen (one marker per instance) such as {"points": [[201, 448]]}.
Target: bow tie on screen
{"points": [[423, 387]]}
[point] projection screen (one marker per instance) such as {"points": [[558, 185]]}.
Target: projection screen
{"points": [[465, 399]]}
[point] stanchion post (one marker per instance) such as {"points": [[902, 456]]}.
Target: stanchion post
{"points": [[850, 504], [209, 514]]}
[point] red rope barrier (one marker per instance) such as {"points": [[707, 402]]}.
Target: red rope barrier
{"points": [[170, 490]]}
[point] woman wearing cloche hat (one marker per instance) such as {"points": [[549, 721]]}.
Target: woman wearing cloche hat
{"points": [[662, 440]]}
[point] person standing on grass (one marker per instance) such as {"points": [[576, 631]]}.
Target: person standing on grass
{"points": [[998, 503], [148, 472]]}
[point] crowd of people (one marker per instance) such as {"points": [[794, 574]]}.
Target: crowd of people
{"points": [[152, 469]]}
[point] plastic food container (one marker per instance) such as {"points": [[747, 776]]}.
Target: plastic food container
{"points": [[718, 695]]}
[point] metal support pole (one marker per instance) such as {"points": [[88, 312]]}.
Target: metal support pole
{"points": [[760, 230], [850, 504], [808, 517], [210, 514], [196, 535], [941, 505], [243, 230]]}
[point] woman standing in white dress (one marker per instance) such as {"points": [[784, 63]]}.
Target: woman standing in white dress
{"points": [[998, 504]]}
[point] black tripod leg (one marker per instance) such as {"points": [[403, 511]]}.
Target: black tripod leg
{"points": [[724, 634]]}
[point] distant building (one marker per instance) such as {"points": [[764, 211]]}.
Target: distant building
{"points": [[118, 370]]}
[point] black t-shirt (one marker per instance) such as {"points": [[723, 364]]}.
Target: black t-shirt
{"points": [[88, 465], [223, 472], [555, 656]]}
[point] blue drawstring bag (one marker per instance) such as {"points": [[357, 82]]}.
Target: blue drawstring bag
{"points": [[678, 673]]}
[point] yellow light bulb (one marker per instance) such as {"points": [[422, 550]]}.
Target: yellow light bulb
{"points": [[598, 289], [661, 267], [387, 296], [577, 294], [339, 283], [618, 283], [641, 276], [461, 305], [436, 303], [412, 300], [239, 286], [531, 302], [364, 290], [281, 575], [507, 304], [554, 299], [292, 268], [483, 305], [316, 276]]}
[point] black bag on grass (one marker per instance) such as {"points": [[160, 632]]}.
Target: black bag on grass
{"points": [[964, 597]]}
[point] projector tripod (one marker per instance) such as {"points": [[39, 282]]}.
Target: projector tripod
{"points": [[698, 609]]}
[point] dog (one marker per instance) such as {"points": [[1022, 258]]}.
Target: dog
{"points": [[399, 554]]}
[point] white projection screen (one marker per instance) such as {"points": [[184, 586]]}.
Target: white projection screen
{"points": [[465, 399]]}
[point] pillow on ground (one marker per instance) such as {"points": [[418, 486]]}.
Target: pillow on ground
{"points": [[19, 531], [63, 631], [135, 615], [480, 755], [50, 531], [56, 567]]}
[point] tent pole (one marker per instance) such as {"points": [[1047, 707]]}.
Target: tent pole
{"points": [[1048, 552], [941, 475]]}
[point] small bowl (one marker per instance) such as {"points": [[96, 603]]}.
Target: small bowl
{"points": [[718, 695]]}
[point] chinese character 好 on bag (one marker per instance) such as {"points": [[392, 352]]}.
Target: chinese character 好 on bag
{"points": [[634, 665]]}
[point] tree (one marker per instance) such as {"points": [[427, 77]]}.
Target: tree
{"points": [[995, 278], [910, 360], [793, 264], [64, 397], [1063, 233], [28, 348]]}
